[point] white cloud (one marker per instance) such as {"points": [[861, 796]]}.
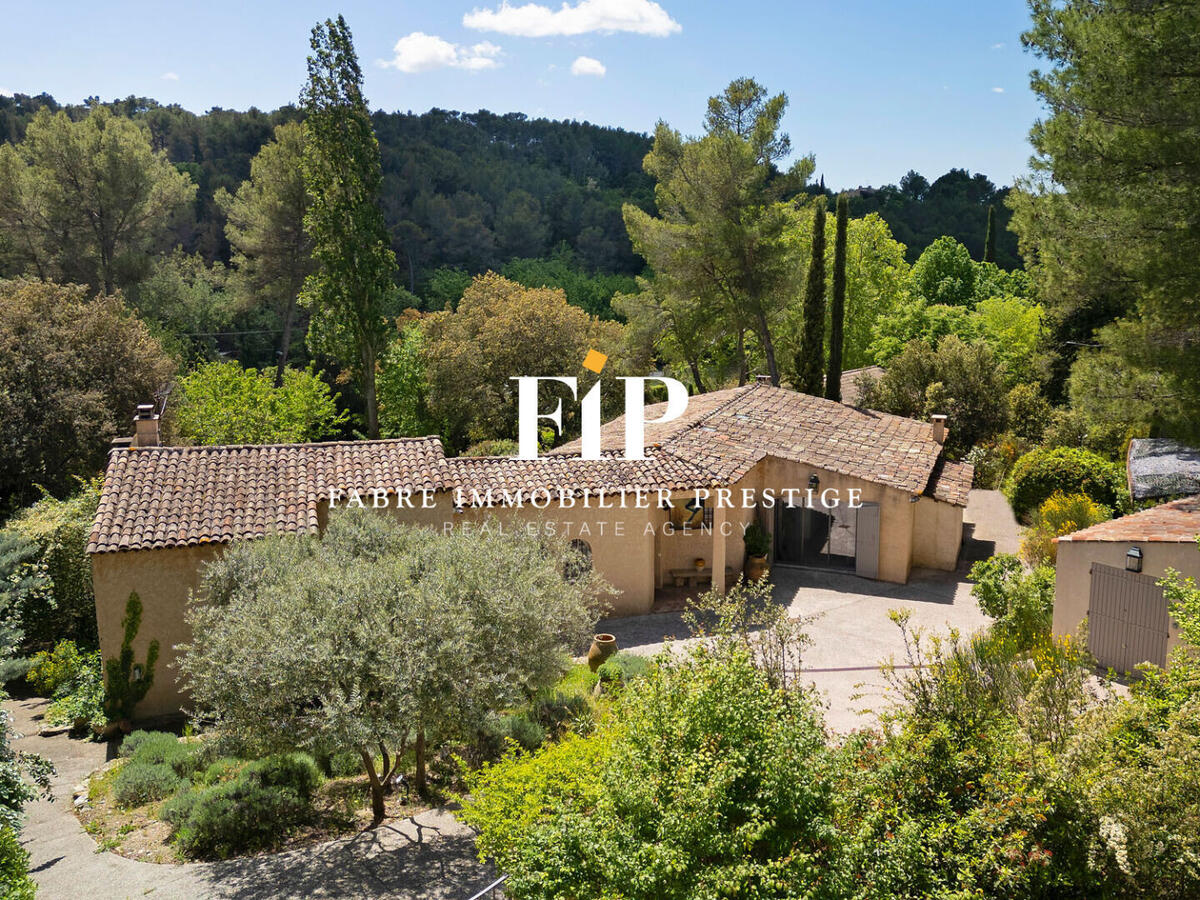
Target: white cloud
{"points": [[999, 46], [997, 90], [421, 52], [585, 65], [535, 20], [5, 92], [169, 76]]}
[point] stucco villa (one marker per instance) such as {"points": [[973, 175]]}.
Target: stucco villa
{"points": [[1107, 577], [676, 517]]}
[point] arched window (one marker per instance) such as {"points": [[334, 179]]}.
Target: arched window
{"points": [[579, 563]]}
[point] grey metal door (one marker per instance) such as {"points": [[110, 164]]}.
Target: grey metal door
{"points": [[866, 549], [1128, 621]]}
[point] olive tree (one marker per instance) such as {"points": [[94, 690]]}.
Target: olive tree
{"points": [[375, 634]]}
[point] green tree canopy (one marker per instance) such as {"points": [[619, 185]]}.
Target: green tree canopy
{"points": [[222, 403], [375, 635], [945, 273], [87, 200], [73, 370], [271, 252], [720, 235], [351, 289]]}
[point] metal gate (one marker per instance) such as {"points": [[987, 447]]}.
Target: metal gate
{"points": [[1128, 621]]}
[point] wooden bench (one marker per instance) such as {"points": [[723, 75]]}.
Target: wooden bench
{"points": [[692, 575]]}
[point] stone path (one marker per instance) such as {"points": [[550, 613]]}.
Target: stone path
{"points": [[430, 855]]}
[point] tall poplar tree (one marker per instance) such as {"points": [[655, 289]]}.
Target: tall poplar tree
{"points": [[837, 311], [350, 290], [810, 359], [989, 240]]}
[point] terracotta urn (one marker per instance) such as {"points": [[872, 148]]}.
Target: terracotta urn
{"points": [[603, 646], [700, 562], [756, 568]]}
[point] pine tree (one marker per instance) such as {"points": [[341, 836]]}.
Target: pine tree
{"points": [[837, 310], [989, 242], [810, 360]]}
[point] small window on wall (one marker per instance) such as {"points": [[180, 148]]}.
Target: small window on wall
{"points": [[580, 561]]}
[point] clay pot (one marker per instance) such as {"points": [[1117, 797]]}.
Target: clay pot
{"points": [[756, 568], [700, 562], [603, 646]]}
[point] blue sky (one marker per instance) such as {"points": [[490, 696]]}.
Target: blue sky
{"points": [[876, 86]]}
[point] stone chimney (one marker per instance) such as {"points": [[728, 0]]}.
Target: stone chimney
{"points": [[145, 426], [762, 379], [939, 427]]}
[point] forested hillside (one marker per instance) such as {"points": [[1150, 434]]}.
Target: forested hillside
{"points": [[473, 191]]}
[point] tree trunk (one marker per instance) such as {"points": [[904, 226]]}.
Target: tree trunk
{"points": [[695, 367], [377, 808], [420, 754], [285, 345], [837, 310], [768, 348], [743, 366], [369, 398]]}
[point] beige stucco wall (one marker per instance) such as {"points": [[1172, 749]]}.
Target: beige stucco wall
{"points": [[937, 534], [1073, 579], [163, 580]]}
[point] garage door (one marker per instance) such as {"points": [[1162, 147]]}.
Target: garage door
{"points": [[1128, 622]]}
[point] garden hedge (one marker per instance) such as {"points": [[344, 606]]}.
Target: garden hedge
{"points": [[1040, 473]]}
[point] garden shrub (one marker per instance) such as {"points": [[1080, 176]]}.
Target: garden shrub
{"points": [[623, 667], [60, 529], [15, 883], [177, 808], [140, 782], [224, 769], [295, 771], [1021, 602], [493, 737], [344, 764], [54, 668], [557, 712], [80, 699], [239, 816], [1039, 474], [163, 748], [1061, 514]]}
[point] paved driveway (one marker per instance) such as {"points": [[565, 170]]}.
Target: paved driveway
{"points": [[852, 634]]}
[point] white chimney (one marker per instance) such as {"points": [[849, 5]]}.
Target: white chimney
{"points": [[762, 379], [939, 427], [145, 426]]}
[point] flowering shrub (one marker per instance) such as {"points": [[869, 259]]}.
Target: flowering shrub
{"points": [[1059, 515]]}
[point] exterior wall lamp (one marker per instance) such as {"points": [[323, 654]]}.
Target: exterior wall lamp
{"points": [[1133, 560], [814, 482]]}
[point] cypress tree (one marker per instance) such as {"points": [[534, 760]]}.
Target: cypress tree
{"points": [[837, 309], [810, 360], [989, 242]]}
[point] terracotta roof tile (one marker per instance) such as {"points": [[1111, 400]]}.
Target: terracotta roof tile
{"points": [[178, 496], [613, 473], [728, 431], [950, 482], [1174, 522]]}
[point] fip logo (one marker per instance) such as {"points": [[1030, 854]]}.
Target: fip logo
{"points": [[589, 410]]}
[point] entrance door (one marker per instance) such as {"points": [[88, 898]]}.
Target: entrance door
{"points": [[823, 538], [1128, 619]]}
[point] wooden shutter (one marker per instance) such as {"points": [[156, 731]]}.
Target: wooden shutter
{"points": [[866, 543]]}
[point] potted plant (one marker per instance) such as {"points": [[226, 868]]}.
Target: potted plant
{"points": [[758, 545]]}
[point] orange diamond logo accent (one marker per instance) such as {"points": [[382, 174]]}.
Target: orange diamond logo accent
{"points": [[594, 361]]}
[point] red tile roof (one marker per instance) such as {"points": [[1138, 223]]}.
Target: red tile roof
{"points": [[727, 432], [1174, 522], [178, 496], [158, 497]]}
